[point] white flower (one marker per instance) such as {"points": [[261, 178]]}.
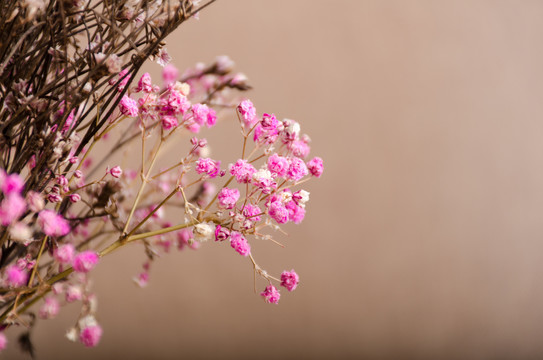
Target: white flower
{"points": [[202, 232]]}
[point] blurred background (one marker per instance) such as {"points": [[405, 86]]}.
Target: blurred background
{"points": [[423, 238]]}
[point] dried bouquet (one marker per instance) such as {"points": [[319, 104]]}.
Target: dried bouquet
{"points": [[71, 100]]}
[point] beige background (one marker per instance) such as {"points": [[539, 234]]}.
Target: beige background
{"points": [[424, 237]]}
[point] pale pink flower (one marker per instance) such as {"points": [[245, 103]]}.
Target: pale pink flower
{"points": [[15, 276], [114, 64], [271, 294], [12, 183], [74, 198], [11, 208], [296, 213], [74, 293], [50, 309], [90, 335], [169, 74], [289, 279], [85, 261], [251, 212], [64, 254], [53, 224], [169, 122], [3, 341]]}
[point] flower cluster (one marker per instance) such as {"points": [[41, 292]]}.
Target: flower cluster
{"points": [[64, 206]]}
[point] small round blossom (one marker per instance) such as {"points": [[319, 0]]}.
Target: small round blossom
{"points": [[54, 197], [263, 180], [177, 103], [64, 254], [299, 148], [202, 232], [271, 294], [267, 130], [50, 309], [145, 84], [240, 243], [74, 198], [316, 166], [78, 174], [129, 106], [296, 213], [169, 122], [52, 223], [243, 171], [228, 198], [11, 208], [3, 341], [85, 261], [185, 238], [301, 197], [170, 74], [248, 113], [15, 276], [61, 180], [221, 233], [90, 335], [13, 183], [208, 166], [74, 293], [20, 232], [278, 212], [289, 279], [278, 165], [35, 201], [114, 64], [252, 212], [297, 169], [116, 172]]}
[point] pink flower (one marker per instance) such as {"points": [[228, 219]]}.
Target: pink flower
{"points": [[123, 80], [221, 233], [239, 243], [145, 84], [128, 106], [316, 166], [185, 238], [13, 183], [289, 279], [11, 208], [296, 213], [297, 169], [73, 293], [299, 148], [85, 261], [271, 294], [3, 341], [116, 172], [169, 74], [208, 166], [248, 113], [52, 223], [169, 122], [199, 113], [228, 198], [35, 201], [64, 254], [50, 309], [177, 103], [268, 130], [74, 198], [278, 212], [251, 212], [90, 335], [114, 64], [243, 171], [16, 277], [278, 165]]}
